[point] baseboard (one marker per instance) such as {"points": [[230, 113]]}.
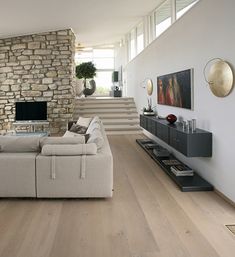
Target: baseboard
{"points": [[224, 197]]}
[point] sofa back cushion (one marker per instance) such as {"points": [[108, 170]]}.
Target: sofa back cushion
{"points": [[95, 131], [94, 124], [62, 140], [67, 149], [97, 138], [14, 144], [73, 134]]}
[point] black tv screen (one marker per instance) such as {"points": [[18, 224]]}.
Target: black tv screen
{"points": [[27, 111]]}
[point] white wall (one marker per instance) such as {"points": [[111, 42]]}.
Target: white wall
{"points": [[205, 32]]}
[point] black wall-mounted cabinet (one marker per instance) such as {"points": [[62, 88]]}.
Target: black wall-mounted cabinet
{"points": [[191, 144]]}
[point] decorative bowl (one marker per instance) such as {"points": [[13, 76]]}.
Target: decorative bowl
{"points": [[171, 118]]}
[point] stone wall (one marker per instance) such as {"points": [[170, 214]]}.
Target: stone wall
{"points": [[38, 67]]}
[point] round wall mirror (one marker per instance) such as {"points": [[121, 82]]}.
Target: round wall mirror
{"points": [[219, 78], [149, 86]]}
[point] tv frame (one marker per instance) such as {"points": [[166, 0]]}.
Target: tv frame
{"points": [[29, 116]]}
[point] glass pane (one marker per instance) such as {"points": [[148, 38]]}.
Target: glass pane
{"points": [[104, 83], [104, 63], [103, 53], [140, 38], [132, 44], [183, 6], [140, 29], [163, 17], [79, 60], [140, 43], [84, 54]]}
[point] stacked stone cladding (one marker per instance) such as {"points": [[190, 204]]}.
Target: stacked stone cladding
{"points": [[38, 67]]}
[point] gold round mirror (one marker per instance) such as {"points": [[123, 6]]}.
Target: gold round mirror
{"points": [[220, 78], [149, 86]]}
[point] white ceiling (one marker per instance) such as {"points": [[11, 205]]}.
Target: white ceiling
{"points": [[94, 22]]}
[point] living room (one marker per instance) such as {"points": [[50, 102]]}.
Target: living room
{"points": [[147, 215]]}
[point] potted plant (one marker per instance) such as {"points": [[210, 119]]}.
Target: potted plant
{"points": [[87, 70]]}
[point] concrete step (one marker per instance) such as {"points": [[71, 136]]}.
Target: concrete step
{"points": [[104, 100], [126, 121], [119, 115], [110, 115], [101, 111], [122, 127], [124, 132], [104, 106]]}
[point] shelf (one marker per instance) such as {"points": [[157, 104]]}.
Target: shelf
{"points": [[186, 184], [190, 144]]}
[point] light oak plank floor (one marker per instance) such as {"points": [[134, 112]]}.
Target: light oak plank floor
{"points": [[148, 216]]}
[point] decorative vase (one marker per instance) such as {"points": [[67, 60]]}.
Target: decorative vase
{"points": [[171, 118], [91, 89]]}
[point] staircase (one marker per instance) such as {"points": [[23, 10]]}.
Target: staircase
{"points": [[119, 115]]}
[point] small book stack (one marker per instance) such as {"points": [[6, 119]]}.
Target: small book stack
{"points": [[161, 152], [182, 170], [151, 145]]}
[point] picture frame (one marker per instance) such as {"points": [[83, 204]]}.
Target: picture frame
{"points": [[176, 89]]}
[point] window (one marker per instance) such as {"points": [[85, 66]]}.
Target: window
{"points": [[140, 37], [155, 23], [163, 17], [132, 44], [103, 58], [182, 6]]}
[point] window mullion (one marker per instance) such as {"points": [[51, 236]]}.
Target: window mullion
{"points": [[173, 11]]}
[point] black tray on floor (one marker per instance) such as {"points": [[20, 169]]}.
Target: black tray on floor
{"points": [[186, 184]]}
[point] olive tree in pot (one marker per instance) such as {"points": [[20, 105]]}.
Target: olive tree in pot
{"points": [[87, 70]]}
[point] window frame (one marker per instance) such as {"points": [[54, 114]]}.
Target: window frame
{"points": [[92, 59], [149, 27]]}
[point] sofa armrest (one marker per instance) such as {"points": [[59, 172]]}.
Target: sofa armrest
{"points": [[69, 150]]}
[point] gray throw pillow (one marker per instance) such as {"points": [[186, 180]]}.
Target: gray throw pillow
{"points": [[78, 129]]}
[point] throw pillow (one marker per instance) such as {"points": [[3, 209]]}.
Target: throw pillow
{"points": [[78, 129], [84, 121]]}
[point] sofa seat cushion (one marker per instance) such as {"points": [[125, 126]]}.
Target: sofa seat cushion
{"points": [[17, 144], [79, 139], [66, 149]]}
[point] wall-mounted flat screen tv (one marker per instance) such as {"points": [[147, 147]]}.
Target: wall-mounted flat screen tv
{"points": [[31, 111]]}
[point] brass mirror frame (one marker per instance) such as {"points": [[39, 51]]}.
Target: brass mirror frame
{"points": [[149, 87], [220, 77]]}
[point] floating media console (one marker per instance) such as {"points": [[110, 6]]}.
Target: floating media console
{"points": [[197, 144]]}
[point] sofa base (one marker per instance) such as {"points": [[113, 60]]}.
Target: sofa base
{"points": [[67, 181], [17, 175]]}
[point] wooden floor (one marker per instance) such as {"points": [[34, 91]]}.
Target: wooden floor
{"points": [[147, 217]]}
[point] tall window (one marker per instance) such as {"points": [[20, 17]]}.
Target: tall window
{"points": [[163, 17], [140, 37], [132, 44], [103, 58], [182, 6]]}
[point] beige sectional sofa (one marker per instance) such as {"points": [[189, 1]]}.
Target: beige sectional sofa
{"points": [[57, 167]]}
